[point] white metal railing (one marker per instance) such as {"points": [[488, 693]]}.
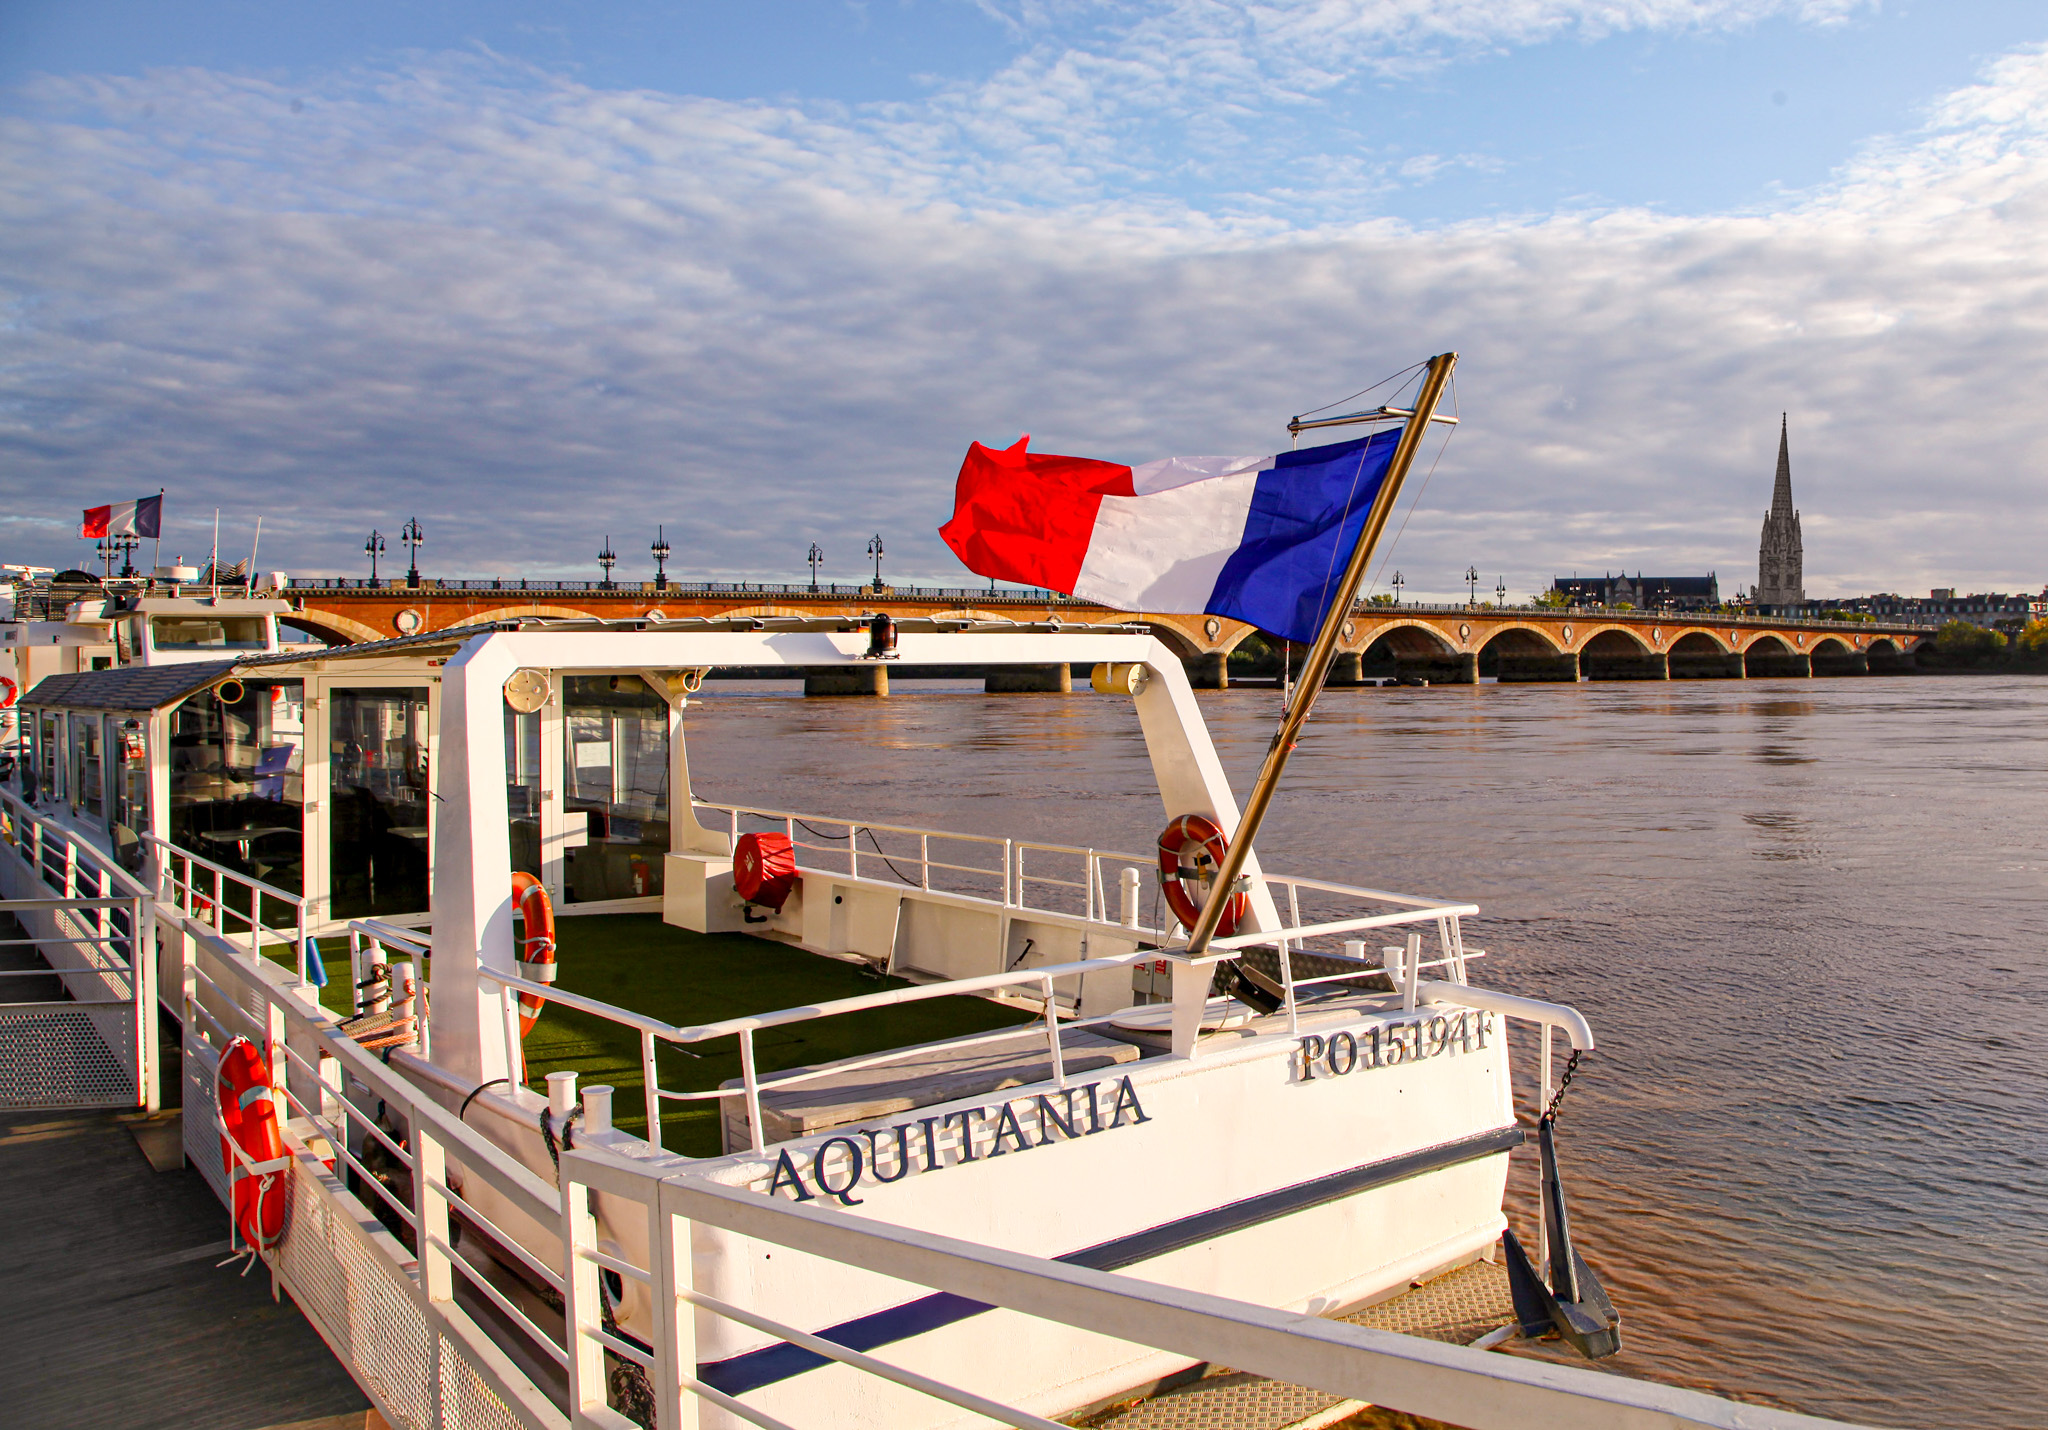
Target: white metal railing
{"points": [[92, 923], [653, 1031], [207, 892], [1457, 1384], [352, 1101], [1005, 878]]}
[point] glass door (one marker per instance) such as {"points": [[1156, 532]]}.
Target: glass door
{"points": [[378, 804]]}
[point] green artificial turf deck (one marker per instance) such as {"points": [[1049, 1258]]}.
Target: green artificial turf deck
{"points": [[638, 962]]}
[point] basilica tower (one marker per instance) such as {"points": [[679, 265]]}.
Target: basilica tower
{"points": [[1781, 558]]}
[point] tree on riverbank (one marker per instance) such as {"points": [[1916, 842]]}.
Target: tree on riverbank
{"points": [[1960, 643]]}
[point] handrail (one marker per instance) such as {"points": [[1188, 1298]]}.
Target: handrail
{"points": [[217, 911], [123, 963]]}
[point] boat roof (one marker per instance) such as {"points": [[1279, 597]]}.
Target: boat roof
{"points": [[127, 687], [151, 687]]}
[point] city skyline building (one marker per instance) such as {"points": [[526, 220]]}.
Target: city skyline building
{"points": [[1781, 555]]}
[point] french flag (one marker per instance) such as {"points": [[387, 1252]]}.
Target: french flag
{"points": [[125, 518], [1262, 540]]}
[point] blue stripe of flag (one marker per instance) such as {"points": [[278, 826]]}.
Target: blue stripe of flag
{"points": [[1306, 515]]}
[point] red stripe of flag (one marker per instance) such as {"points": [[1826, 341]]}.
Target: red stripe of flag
{"points": [[1027, 516]]}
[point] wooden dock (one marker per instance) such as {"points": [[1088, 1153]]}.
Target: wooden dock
{"points": [[113, 1309]]}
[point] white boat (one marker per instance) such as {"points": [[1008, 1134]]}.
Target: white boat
{"points": [[1139, 1175]]}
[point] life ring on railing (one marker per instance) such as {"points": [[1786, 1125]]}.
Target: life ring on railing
{"points": [[1180, 880], [248, 1119], [537, 947], [8, 692]]}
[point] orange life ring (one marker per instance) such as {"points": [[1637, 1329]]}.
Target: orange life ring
{"points": [[1179, 880], [248, 1119], [537, 949], [8, 691]]}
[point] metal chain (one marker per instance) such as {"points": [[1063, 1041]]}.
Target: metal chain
{"points": [[1571, 1066]]}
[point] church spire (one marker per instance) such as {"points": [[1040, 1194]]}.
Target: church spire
{"points": [[1781, 490], [1781, 555]]}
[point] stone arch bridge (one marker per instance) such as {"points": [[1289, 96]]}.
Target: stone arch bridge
{"points": [[1442, 644]]}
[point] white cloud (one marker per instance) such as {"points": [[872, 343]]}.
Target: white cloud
{"points": [[534, 313]]}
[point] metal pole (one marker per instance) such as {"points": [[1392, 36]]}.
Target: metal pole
{"points": [[1317, 667]]}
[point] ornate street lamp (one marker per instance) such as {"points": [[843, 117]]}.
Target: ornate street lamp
{"points": [[875, 550], [413, 537], [814, 556], [1399, 582], [607, 558], [660, 550], [1500, 591], [1471, 585], [373, 548]]}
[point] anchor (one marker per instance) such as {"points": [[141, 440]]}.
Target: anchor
{"points": [[1574, 1305]]}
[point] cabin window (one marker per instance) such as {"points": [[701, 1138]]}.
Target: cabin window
{"points": [[522, 788], [615, 773], [50, 756], [208, 633], [378, 824], [88, 777], [237, 780], [128, 759]]}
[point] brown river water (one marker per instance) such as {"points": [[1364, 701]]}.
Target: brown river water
{"points": [[1807, 919]]}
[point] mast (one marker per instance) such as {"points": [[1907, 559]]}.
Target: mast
{"points": [[1316, 668]]}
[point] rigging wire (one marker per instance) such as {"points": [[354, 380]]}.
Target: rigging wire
{"points": [[1404, 372], [1421, 491]]}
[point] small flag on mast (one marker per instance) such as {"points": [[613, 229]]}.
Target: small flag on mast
{"points": [[144, 517]]}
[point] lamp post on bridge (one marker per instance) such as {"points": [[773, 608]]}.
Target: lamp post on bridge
{"points": [[1471, 585], [414, 538], [814, 556], [875, 550], [373, 548], [1398, 583], [607, 558], [660, 551], [1500, 592]]}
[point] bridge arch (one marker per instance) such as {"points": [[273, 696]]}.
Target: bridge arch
{"points": [[513, 613], [1522, 640], [1405, 637], [1768, 643], [331, 628], [1700, 641], [1832, 646], [1614, 641]]}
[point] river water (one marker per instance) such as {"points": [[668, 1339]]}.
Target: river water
{"points": [[1806, 918]]}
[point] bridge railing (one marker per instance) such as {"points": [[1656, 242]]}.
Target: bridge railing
{"points": [[543, 585], [1035, 596]]}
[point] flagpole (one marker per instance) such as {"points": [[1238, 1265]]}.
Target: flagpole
{"points": [[213, 563], [156, 558], [250, 575], [1317, 667]]}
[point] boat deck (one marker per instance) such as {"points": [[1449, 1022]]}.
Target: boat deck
{"points": [[1460, 1306]]}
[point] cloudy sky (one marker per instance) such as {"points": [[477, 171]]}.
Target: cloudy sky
{"points": [[541, 273]]}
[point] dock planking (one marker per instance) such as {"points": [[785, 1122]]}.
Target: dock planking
{"points": [[113, 1310]]}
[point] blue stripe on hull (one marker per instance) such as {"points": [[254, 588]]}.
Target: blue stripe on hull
{"points": [[753, 1369]]}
